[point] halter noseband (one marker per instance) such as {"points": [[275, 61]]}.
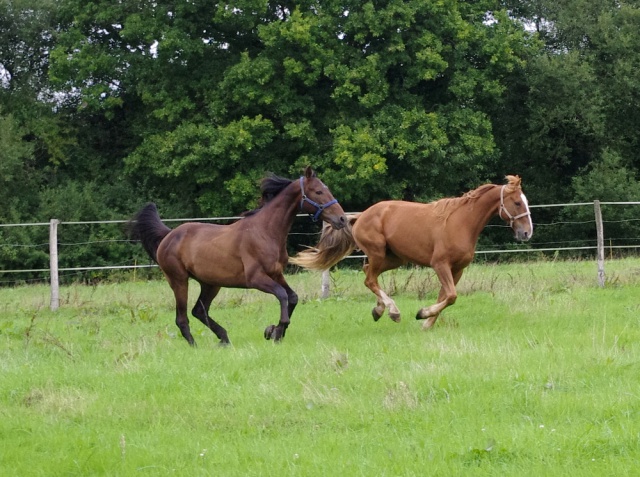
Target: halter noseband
{"points": [[512, 219], [319, 207]]}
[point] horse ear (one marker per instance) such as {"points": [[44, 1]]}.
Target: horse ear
{"points": [[309, 173]]}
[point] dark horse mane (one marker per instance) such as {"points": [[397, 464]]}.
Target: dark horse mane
{"points": [[270, 187]]}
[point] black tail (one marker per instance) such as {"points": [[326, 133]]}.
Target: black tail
{"points": [[147, 228]]}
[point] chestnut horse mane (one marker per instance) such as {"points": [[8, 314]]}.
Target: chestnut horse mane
{"points": [[444, 207], [270, 187]]}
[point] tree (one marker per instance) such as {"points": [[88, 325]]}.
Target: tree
{"points": [[18, 182], [387, 98], [17, 175], [609, 178], [579, 97]]}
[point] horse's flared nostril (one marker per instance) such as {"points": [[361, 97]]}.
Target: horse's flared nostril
{"points": [[339, 222], [526, 235]]}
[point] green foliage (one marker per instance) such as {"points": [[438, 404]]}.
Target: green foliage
{"points": [[609, 180], [16, 165], [344, 87], [579, 90], [20, 248], [188, 104], [567, 121]]}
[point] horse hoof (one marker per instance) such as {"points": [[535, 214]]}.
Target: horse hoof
{"points": [[269, 332], [419, 315], [395, 317], [375, 314], [224, 344]]}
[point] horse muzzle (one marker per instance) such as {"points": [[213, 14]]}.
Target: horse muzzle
{"points": [[523, 235], [337, 222]]}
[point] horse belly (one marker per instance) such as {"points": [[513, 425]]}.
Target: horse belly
{"points": [[220, 275], [410, 247], [216, 268]]}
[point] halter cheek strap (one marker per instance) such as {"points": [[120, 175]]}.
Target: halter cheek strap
{"points": [[511, 218], [319, 207]]}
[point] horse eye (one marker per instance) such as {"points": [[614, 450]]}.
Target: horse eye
{"points": [[518, 204], [319, 192]]}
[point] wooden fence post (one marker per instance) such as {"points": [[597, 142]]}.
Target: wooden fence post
{"points": [[600, 242], [53, 263], [326, 281]]}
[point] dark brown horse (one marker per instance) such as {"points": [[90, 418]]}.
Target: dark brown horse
{"points": [[441, 235], [249, 253]]}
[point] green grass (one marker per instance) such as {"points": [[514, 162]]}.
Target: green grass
{"points": [[534, 371]]}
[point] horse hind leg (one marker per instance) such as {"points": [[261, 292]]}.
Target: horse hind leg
{"points": [[372, 270], [201, 311], [180, 287]]}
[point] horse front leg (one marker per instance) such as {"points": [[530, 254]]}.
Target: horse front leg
{"points": [[277, 332], [267, 284], [292, 299], [446, 297]]}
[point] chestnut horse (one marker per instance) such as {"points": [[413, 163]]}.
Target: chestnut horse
{"points": [[441, 235], [249, 253]]}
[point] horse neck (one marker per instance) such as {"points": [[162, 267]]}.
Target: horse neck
{"points": [[481, 210], [280, 212]]}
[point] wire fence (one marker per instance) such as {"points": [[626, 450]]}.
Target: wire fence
{"points": [[562, 239]]}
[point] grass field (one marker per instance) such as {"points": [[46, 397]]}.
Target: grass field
{"points": [[534, 371]]}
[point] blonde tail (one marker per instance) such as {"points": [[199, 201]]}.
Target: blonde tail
{"points": [[333, 246]]}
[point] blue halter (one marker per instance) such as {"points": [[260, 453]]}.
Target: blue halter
{"points": [[319, 207]]}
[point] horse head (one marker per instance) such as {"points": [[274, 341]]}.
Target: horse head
{"points": [[514, 208], [318, 201]]}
